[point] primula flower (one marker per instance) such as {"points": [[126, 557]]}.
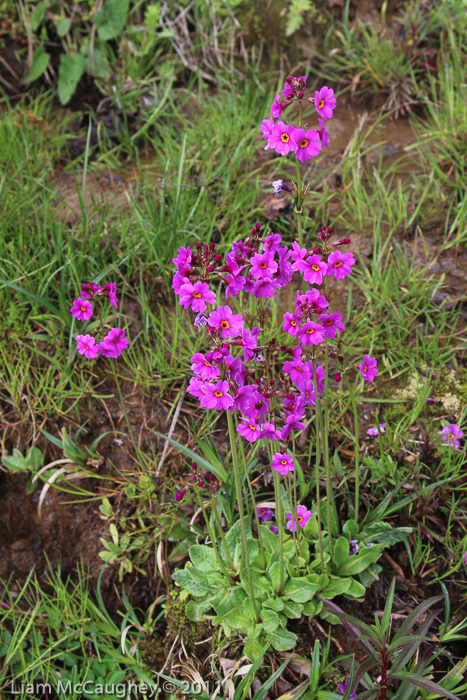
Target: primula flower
{"points": [[250, 342], [297, 371], [368, 368], [196, 296], [266, 129], [340, 264], [307, 144], [198, 387], [281, 138], [264, 514], [285, 272], [292, 422], [298, 253], [87, 346], [263, 265], [276, 107], [465, 558], [274, 529], [310, 333], [265, 287], [250, 430], [114, 343], [331, 324], [302, 517], [200, 321], [452, 433], [313, 269], [311, 301], [178, 281], [374, 432], [273, 242], [291, 323], [81, 309], [323, 135], [218, 396], [277, 186], [343, 689], [89, 290], [269, 430], [109, 290], [325, 102], [228, 323], [307, 390], [202, 367], [353, 547], [282, 463], [183, 259]]}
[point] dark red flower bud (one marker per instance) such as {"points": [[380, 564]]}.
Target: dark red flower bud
{"points": [[212, 245], [344, 241], [194, 465], [338, 378], [338, 345], [218, 258], [329, 229], [315, 250], [198, 246], [340, 357], [210, 268], [300, 95], [200, 482], [291, 397], [257, 227]]}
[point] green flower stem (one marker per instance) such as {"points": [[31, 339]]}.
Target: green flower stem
{"points": [[357, 449], [212, 536], [280, 525], [327, 466], [238, 488], [318, 458], [252, 495], [293, 510], [221, 532], [122, 401], [298, 205]]}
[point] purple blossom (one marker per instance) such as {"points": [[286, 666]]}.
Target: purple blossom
{"points": [[302, 517], [81, 309], [465, 558], [264, 514], [265, 287], [250, 430], [109, 290], [218, 396], [307, 144], [374, 432], [273, 242], [274, 529], [297, 370], [310, 333], [276, 107], [452, 433], [249, 340], [198, 388], [323, 135], [263, 265], [114, 343], [331, 324], [266, 130], [298, 253], [200, 321], [340, 264], [325, 102], [183, 259], [281, 138], [313, 269], [89, 290], [282, 463], [291, 323], [292, 422], [202, 367], [87, 346], [223, 320], [196, 296], [368, 368], [353, 547], [269, 430], [343, 689]]}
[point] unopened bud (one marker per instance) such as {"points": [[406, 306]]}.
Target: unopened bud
{"points": [[300, 95], [315, 250], [218, 258], [340, 357], [257, 226], [212, 245], [338, 378], [198, 246], [210, 268], [200, 482]]}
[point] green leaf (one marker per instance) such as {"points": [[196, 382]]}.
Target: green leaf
{"points": [[195, 609], [63, 26], [38, 14], [97, 65], [313, 607], [295, 15], [350, 529], [336, 586], [341, 552], [270, 620], [300, 590], [292, 609], [40, 61], [360, 561], [283, 640], [276, 604], [69, 73], [151, 16], [356, 589], [192, 582], [110, 21], [201, 555], [274, 573], [218, 471], [241, 618], [424, 683]]}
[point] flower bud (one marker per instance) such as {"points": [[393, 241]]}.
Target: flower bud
{"points": [[316, 250], [198, 245], [338, 378], [200, 482], [257, 227], [218, 258], [338, 345], [340, 357], [300, 95], [212, 245], [210, 268]]}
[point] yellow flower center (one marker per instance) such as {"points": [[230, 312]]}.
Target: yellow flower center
{"points": [[262, 511], [338, 263], [307, 394], [263, 264], [284, 461], [365, 369], [197, 296], [304, 143], [315, 268], [218, 394], [321, 104], [293, 323], [225, 325], [309, 331], [285, 138], [252, 427], [299, 518], [82, 308], [329, 322], [206, 363]]}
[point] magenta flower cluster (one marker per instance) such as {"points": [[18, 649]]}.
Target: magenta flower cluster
{"points": [[452, 434], [286, 138], [112, 344]]}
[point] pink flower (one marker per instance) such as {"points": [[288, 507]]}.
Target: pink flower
{"points": [[281, 138], [465, 558], [250, 430], [374, 432], [319, 371], [307, 144], [340, 264], [264, 288], [81, 309], [114, 343], [298, 253], [452, 433], [109, 290], [179, 280], [263, 265], [307, 390], [368, 368], [292, 422], [223, 320], [250, 342], [297, 371], [276, 107], [313, 269], [291, 323], [285, 272], [268, 430], [282, 463], [331, 324], [266, 130], [198, 387], [264, 514], [89, 290], [312, 301], [302, 517], [218, 396], [196, 296], [273, 242], [323, 135], [202, 367], [235, 284], [183, 259], [87, 346], [325, 102], [310, 333]]}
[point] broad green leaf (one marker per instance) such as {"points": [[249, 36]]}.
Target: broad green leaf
{"points": [[69, 74], [37, 15], [254, 651], [191, 583], [356, 589], [276, 604], [195, 609], [360, 561], [313, 607], [201, 554], [40, 61], [241, 618], [97, 64], [63, 26], [110, 21], [292, 609], [274, 573], [341, 552], [282, 639], [300, 590], [151, 16], [270, 620], [336, 586]]}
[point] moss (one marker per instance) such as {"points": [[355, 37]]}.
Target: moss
{"points": [[179, 625], [450, 391]]}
